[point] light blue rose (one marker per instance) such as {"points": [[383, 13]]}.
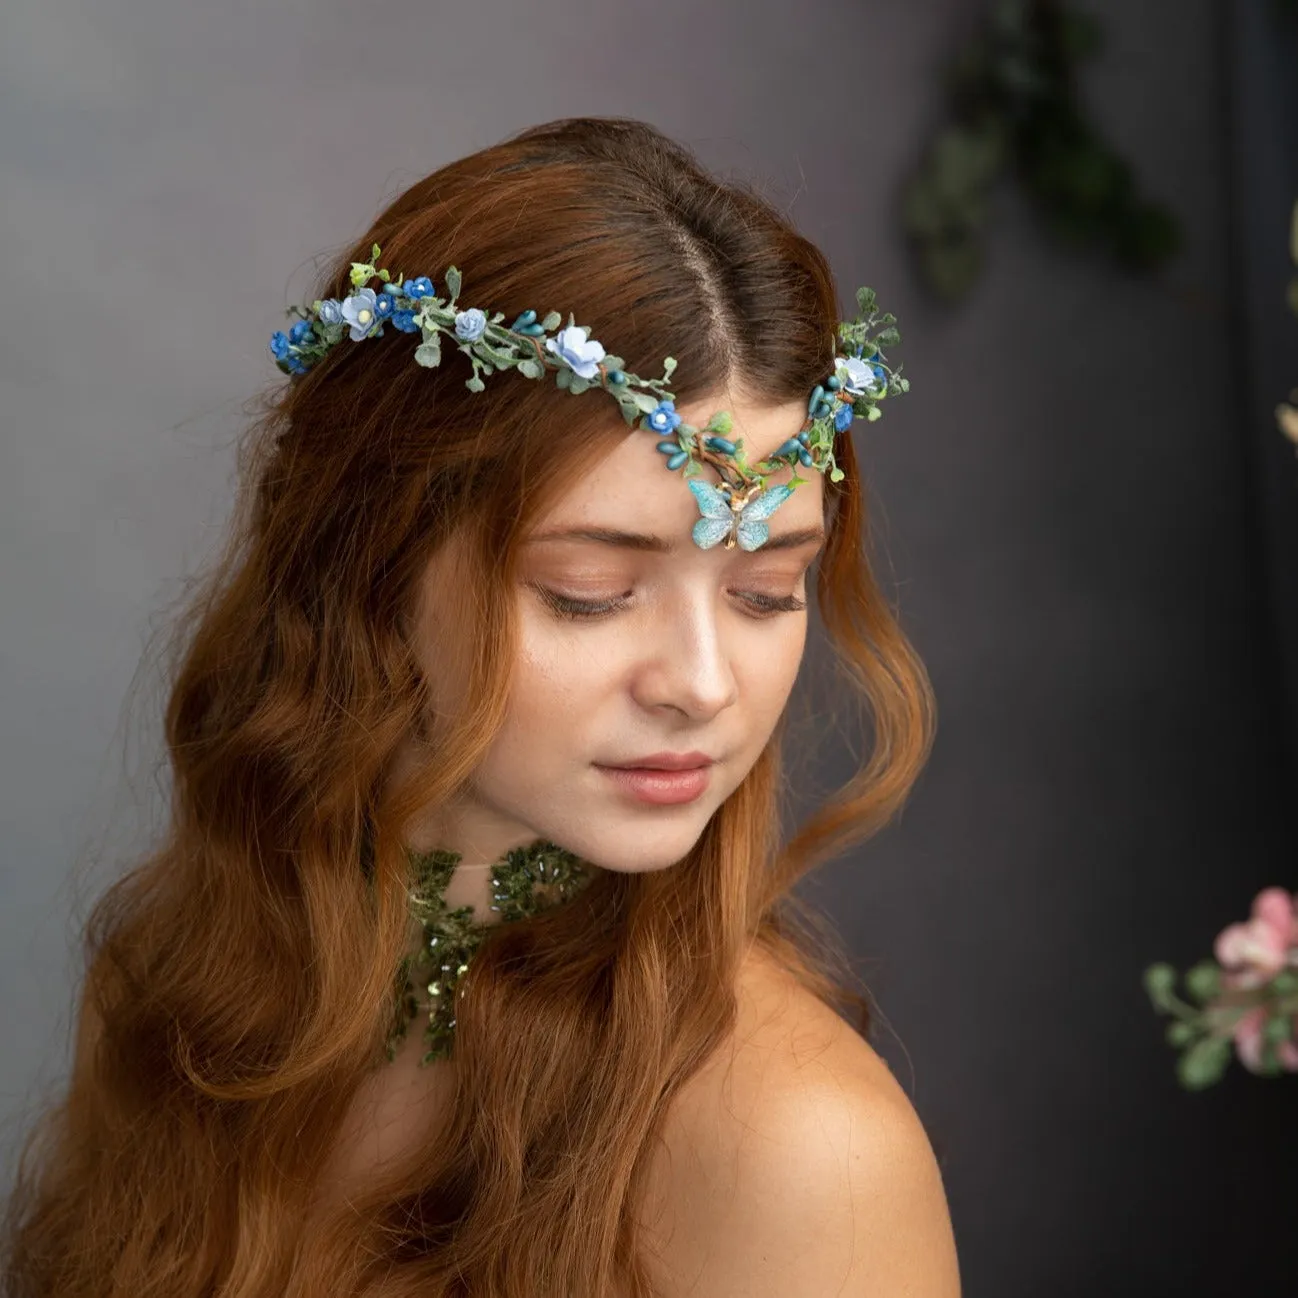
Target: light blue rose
{"points": [[470, 324], [331, 311], [862, 377], [359, 312], [421, 287], [279, 345], [384, 304], [573, 346]]}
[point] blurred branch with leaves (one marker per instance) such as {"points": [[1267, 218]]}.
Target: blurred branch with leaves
{"points": [[1013, 94]]}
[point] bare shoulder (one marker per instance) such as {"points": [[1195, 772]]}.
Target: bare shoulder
{"points": [[796, 1163]]}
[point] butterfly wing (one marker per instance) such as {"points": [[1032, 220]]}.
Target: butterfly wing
{"points": [[766, 503], [708, 531], [712, 504], [752, 531]]}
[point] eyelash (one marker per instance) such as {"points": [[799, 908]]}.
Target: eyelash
{"points": [[579, 610]]}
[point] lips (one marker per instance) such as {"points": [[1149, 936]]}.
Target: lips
{"points": [[663, 762]]}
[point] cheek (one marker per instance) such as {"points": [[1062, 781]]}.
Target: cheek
{"points": [[768, 670], [557, 680]]}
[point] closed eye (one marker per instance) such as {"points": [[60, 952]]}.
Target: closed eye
{"points": [[761, 605]]}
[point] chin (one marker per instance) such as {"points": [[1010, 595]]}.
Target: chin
{"points": [[653, 844]]}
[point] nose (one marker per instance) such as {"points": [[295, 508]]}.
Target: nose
{"points": [[686, 662]]}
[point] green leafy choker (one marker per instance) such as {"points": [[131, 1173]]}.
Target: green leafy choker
{"points": [[525, 881], [733, 510]]}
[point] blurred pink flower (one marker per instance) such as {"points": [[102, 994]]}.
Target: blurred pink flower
{"points": [[1252, 953], [1248, 1043]]}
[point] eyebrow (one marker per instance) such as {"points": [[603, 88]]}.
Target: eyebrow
{"points": [[642, 541]]}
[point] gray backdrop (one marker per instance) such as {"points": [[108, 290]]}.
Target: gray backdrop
{"points": [[1086, 513]]}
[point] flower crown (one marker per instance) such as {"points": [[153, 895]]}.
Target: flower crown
{"points": [[732, 511]]}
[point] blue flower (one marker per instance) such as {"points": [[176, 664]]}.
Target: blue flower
{"points": [[663, 419], [331, 311], [279, 345], [405, 321], [572, 345], [421, 287], [359, 312], [843, 417], [470, 324], [295, 366], [301, 332], [384, 305]]}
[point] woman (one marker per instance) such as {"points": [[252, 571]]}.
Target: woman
{"points": [[459, 618]]}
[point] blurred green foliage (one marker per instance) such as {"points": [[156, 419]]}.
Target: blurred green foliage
{"points": [[1012, 92]]}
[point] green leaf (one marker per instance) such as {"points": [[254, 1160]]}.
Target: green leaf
{"points": [[551, 322], [873, 413], [374, 253], [865, 300], [1181, 1033], [1203, 982], [836, 474], [644, 402], [577, 384], [1279, 1027], [563, 377], [531, 369], [669, 365], [888, 338], [429, 353], [721, 422], [1204, 1062], [452, 278], [475, 384], [1160, 982]]}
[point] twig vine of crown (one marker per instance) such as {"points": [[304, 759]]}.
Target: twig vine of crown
{"points": [[733, 511]]}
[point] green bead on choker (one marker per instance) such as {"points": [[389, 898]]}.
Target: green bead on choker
{"points": [[525, 881]]}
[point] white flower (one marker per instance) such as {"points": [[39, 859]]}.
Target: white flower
{"points": [[861, 376], [581, 353]]}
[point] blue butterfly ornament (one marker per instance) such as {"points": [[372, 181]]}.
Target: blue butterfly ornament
{"points": [[721, 523]]}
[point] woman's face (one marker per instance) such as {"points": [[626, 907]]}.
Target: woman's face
{"points": [[630, 649]]}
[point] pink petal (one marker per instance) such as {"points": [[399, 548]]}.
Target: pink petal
{"points": [[1276, 908], [1257, 943]]}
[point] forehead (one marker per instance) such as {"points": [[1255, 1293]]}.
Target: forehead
{"points": [[631, 489]]}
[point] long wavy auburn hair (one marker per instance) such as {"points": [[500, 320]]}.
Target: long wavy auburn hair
{"points": [[239, 981]]}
